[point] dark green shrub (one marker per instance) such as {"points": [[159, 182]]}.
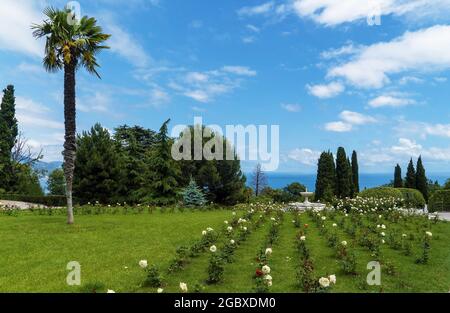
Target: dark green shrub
{"points": [[413, 198], [381, 192], [439, 201]]}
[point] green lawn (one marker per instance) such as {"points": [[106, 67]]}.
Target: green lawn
{"points": [[35, 249]]}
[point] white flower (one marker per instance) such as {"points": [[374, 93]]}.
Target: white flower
{"points": [[380, 216], [230, 229], [334, 225], [429, 234], [143, 263], [268, 277], [213, 249], [332, 279], [383, 234], [265, 269], [383, 226], [234, 213], [110, 291], [382, 241], [378, 226], [209, 229], [303, 238], [324, 282], [204, 233], [244, 228], [183, 287], [160, 290], [324, 218], [344, 243], [346, 215], [404, 235], [232, 241], [226, 222], [269, 283], [268, 251], [273, 219]]}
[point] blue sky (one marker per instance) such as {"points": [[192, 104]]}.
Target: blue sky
{"points": [[316, 68]]}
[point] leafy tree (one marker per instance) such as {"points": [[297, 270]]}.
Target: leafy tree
{"points": [[70, 44], [8, 135], [355, 172], [421, 179], [98, 168], [56, 183], [259, 180], [295, 190], [343, 172], [447, 184], [398, 180], [410, 180], [193, 195], [163, 171], [26, 181], [326, 177], [222, 180]]}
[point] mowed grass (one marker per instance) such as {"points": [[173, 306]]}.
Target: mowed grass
{"points": [[36, 249]]}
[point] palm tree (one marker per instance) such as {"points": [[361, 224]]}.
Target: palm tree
{"points": [[70, 44]]}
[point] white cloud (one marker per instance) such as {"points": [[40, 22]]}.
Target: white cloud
{"points": [[423, 129], [16, 17], [332, 12], [253, 28], [326, 91], [248, 39], [196, 77], [410, 79], [305, 156], [239, 70], [355, 118], [349, 49], [390, 101], [37, 122], [159, 96], [256, 10], [124, 44], [407, 147], [291, 107], [26, 105], [198, 95], [338, 127], [424, 50]]}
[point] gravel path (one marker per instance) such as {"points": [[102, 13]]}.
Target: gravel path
{"points": [[20, 205], [445, 216]]}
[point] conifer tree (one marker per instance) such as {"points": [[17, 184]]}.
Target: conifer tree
{"points": [[343, 172], [98, 168], [326, 177], [355, 172], [410, 179], [193, 195], [421, 179], [57, 183], [398, 180], [8, 135]]}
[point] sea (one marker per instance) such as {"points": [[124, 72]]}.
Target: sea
{"points": [[281, 180]]}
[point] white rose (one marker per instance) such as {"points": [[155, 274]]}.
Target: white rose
{"points": [[234, 213], [160, 290], [383, 234], [334, 225], [230, 229], [213, 249], [268, 277], [404, 235], [209, 229], [204, 233], [303, 238], [266, 269], [268, 251], [383, 226], [110, 291], [324, 282], [344, 243], [332, 279], [429, 234], [183, 287], [323, 218], [226, 222], [232, 241], [143, 263], [244, 228]]}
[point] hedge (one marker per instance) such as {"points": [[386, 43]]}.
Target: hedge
{"points": [[52, 201], [412, 198], [439, 201], [381, 192]]}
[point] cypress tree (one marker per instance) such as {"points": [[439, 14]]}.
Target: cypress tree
{"points": [[410, 179], [350, 178], [421, 179], [326, 177], [398, 180], [343, 186], [8, 135], [355, 172]]}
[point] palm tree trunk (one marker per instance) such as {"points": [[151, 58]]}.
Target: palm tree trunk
{"points": [[70, 131]]}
